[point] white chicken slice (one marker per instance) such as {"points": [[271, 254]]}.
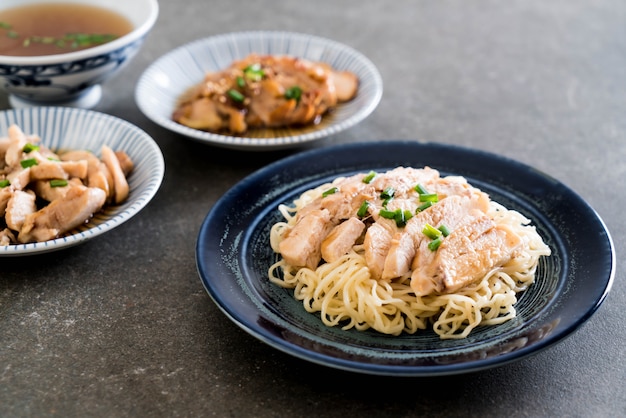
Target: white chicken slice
{"points": [[20, 205], [62, 215], [119, 179]]}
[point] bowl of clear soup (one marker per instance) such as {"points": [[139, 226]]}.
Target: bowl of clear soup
{"points": [[58, 53]]}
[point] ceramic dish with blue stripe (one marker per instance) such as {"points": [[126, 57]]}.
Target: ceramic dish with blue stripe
{"points": [[64, 128], [167, 79]]}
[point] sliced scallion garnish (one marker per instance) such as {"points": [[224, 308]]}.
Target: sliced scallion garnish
{"points": [[400, 216], [4, 183], [387, 214], [294, 93], [420, 189], [236, 95], [429, 197], [10, 32], [431, 232], [445, 231], [30, 148], [28, 162], [254, 72], [434, 244], [58, 183], [363, 209], [388, 193], [369, 177], [330, 191], [70, 40], [424, 206]]}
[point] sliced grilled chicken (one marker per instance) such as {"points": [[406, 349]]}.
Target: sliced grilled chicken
{"points": [[388, 213], [98, 174], [405, 243], [465, 256], [20, 205], [341, 239], [119, 178], [265, 91], [62, 215], [43, 195], [302, 246], [376, 246]]}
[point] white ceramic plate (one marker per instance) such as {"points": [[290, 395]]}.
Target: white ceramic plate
{"points": [[162, 84], [72, 128]]}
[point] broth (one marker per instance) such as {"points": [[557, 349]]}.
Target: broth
{"points": [[58, 28]]}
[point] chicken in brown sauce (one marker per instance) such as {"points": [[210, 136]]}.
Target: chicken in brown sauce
{"points": [[265, 91], [44, 194]]}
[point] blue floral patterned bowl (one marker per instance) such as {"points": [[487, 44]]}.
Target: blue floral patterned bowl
{"points": [[74, 78]]}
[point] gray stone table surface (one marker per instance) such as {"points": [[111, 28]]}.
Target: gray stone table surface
{"points": [[121, 326]]}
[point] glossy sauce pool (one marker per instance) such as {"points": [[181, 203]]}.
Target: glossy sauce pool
{"points": [[43, 29]]}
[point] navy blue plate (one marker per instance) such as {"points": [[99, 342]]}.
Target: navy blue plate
{"points": [[233, 255]]}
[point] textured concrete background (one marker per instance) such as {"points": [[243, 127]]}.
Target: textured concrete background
{"points": [[122, 327]]}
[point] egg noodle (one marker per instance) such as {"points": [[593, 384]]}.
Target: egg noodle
{"points": [[345, 295]]}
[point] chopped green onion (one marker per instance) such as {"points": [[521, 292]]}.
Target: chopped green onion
{"points": [[254, 72], [399, 218], [235, 95], [241, 82], [58, 183], [424, 206], [294, 93], [255, 67], [388, 193], [429, 197], [330, 191], [444, 230], [30, 147], [402, 217], [28, 163], [434, 244], [363, 209], [10, 32], [431, 232], [71, 40], [420, 189], [387, 214], [4, 183], [369, 177]]}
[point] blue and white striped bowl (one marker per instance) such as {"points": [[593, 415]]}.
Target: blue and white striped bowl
{"points": [[64, 128], [162, 84]]}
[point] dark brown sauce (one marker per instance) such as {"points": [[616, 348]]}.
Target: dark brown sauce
{"points": [[42, 26]]}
